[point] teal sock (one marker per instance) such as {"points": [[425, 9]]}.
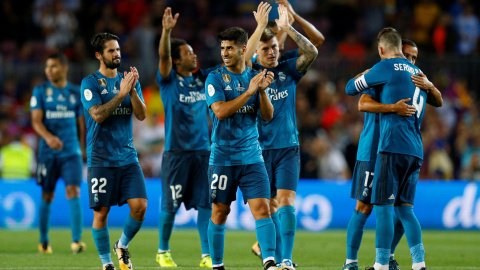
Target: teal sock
{"points": [[413, 231], [278, 237], [102, 241], [288, 229], [130, 229], [165, 229], [203, 217], [216, 242], [383, 233], [76, 219], [398, 232], [355, 234], [265, 230], [44, 222]]}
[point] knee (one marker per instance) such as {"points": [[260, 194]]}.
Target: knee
{"points": [[48, 197], [261, 211], [286, 201], [365, 208], [100, 214], [139, 208], [273, 205], [72, 191], [219, 215]]}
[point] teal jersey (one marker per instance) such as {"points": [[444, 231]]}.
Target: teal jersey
{"points": [[235, 138], [281, 131], [61, 107], [392, 78], [109, 144], [368, 143]]}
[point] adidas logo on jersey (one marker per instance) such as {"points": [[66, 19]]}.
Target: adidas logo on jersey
{"points": [[228, 88], [392, 197], [104, 92]]}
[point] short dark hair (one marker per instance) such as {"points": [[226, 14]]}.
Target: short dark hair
{"points": [[390, 36], [175, 44], [236, 34], [271, 24], [409, 42], [98, 41], [59, 56], [267, 35]]}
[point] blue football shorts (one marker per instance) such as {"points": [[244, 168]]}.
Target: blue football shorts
{"points": [[109, 186], [67, 168], [395, 179], [252, 180], [283, 168], [362, 181], [185, 179]]}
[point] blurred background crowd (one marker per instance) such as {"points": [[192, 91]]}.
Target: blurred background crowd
{"points": [[446, 32]]}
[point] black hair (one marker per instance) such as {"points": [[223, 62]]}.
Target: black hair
{"points": [[98, 41], [59, 56], [236, 34], [409, 42], [175, 44]]}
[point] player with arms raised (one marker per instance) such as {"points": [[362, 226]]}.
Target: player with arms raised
{"points": [[235, 94], [110, 98]]}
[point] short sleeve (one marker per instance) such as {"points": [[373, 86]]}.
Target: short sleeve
{"points": [[213, 90], [162, 80], [89, 94], [36, 101], [79, 107]]}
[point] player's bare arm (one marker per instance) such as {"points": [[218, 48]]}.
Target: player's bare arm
{"points": [[434, 96], [266, 106], [315, 36], [224, 109], [101, 112], [368, 104], [81, 135], [362, 73], [261, 16], [139, 108], [52, 141], [164, 50], [310, 52]]}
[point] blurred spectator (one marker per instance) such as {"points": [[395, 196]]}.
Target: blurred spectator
{"points": [[58, 25], [472, 169], [444, 36], [468, 28], [131, 12], [331, 161], [17, 160]]}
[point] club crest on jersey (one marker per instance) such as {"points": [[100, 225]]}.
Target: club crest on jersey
{"points": [[282, 76], [115, 90], [226, 78], [49, 93], [61, 98], [102, 82]]}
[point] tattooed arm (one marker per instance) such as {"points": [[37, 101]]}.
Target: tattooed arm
{"points": [[101, 112], [309, 50]]}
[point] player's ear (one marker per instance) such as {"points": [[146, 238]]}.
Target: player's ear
{"points": [[244, 49], [98, 56]]}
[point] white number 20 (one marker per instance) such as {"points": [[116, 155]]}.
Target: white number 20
{"points": [[103, 183], [418, 102], [222, 182]]}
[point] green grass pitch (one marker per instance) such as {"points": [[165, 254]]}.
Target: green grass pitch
{"points": [[324, 250]]}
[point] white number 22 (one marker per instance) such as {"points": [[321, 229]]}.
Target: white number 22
{"points": [[103, 183]]}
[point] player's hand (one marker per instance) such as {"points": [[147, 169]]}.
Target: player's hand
{"points": [[282, 21], [261, 15], [54, 142], [168, 22], [287, 5], [403, 109], [127, 83], [255, 82], [136, 76], [266, 81], [421, 81]]}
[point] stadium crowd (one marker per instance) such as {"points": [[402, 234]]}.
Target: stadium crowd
{"points": [[329, 122]]}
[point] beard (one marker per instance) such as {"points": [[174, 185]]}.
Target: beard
{"points": [[111, 64]]}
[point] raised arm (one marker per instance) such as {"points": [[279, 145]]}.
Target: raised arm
{"points": [[434, 96], [315, 36], [309, 50], [101, 112], [139, 108], [261, 16], [224, 109], [368, 104], [266, 106], [52, 141], [164, 50]]}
